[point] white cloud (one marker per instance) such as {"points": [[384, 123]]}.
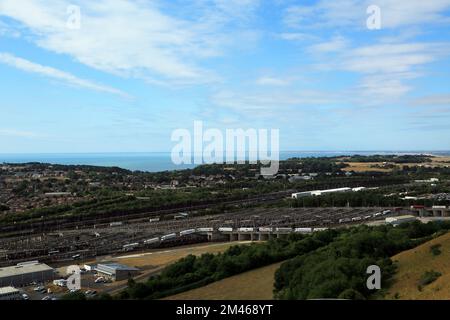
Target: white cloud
{"points": [[336, 44], [266, 103], [345, 13], [385, 68], [297, 36], [134, 38], [433, 100], [272, 81], [53, 73]]}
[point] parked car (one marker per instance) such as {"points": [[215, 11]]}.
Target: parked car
{"points": [[100, 280]]}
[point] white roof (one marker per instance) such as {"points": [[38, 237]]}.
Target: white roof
{"points": [[24, 269], [6, 290]]}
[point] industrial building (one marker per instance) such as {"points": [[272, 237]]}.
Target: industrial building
{"points": [[395, 221], [10, 293], [25, 273], [116, 271]]}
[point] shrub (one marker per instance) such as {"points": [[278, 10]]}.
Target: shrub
{"points": [[435, 249]]}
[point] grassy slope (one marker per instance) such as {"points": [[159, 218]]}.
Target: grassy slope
{"points": [[413, 263], [252, 285]]}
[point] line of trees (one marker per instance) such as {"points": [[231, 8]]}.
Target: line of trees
{"points": [[192, 271]]}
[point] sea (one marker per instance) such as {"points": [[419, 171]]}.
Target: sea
{"points": [[162, 161]]}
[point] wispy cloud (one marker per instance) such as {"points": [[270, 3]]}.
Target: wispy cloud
{"points": [[352, 13], [53, 73], [433, 100], [136, 38], [272, 81]]}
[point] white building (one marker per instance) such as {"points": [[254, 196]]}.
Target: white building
{"points": [[10, 293], [25, 273]]}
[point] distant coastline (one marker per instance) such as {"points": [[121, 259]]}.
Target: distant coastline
{"points": [[161, 161]]}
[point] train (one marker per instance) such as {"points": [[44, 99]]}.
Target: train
{"points": [[303, 230], [283, 229], [205, 229], [152, 240], [168, 236], [186, 232], [225, 229]]}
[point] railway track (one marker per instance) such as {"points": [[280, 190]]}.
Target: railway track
{"points": [[83, 221]]}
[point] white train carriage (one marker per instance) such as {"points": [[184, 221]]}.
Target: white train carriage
{"points": [[245, 229], [130, 246], [283, 229], [168, 236], [152, 240], [265, 229], [205, 229], [225, 229], [319, 229], [303, 230], [187, 232], [153, 220]]}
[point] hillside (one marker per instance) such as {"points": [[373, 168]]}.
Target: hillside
{"points": [[252, 285], [412, 264]]}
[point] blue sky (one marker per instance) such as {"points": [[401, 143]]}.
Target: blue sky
{"points": [[137, 70]]}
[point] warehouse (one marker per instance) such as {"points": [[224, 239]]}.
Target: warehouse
{"points": [[25, 273], [10, 293], [116, 271]]}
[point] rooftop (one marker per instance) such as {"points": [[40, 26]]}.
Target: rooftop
{"points": [[116, 266], [6, 290], [23, 269]]}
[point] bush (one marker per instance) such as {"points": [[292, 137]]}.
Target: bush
{"points": [[428, 277], [435, 249]]}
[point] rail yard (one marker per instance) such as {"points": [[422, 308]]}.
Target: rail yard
{"points": [[122, 236]]}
